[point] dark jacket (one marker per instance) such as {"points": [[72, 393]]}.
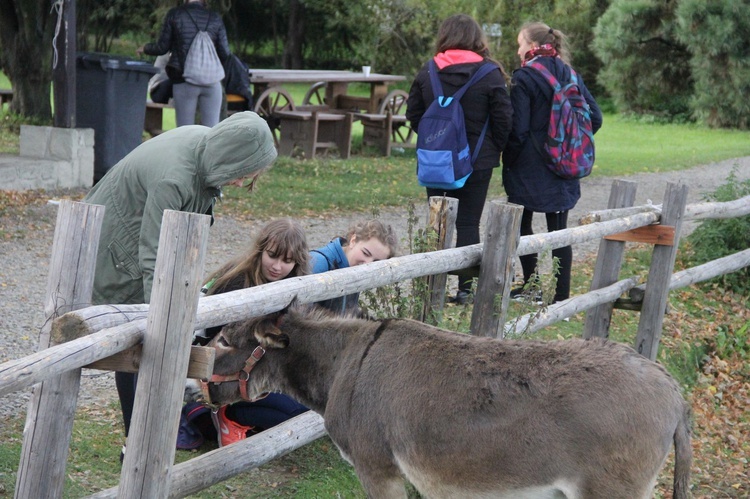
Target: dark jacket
{"points": [[488, 97], [526, 177], [237, 80], [178, 32]]}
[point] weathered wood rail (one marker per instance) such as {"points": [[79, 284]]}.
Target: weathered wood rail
{"points": [[78, 338]]}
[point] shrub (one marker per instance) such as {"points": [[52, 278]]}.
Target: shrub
{"points": [[645, 67], [722, 237], [716, 34]]}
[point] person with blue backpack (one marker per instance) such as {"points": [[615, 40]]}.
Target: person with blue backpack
{"points": [[460, 108], [551, 145]]}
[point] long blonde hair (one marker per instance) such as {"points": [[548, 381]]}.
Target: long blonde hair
{"points": [[283, 237]]}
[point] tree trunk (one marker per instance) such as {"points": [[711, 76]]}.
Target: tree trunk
{"points": [[26, 29], [295, 36]]}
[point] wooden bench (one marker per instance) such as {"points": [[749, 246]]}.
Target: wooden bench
{"points": [[313, 130], [154, 121], [385, 131], [6, 95]]}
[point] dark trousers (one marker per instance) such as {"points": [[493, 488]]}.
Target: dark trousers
{"points": [[265, 413], [555, 221], [125, 383], [471, 198]]}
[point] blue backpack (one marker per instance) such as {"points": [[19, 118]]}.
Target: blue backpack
{"points": [[443, 157]]}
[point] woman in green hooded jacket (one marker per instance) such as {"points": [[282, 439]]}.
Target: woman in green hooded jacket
{"points": [[184, 170]]}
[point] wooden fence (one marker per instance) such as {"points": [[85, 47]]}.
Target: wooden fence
{"points": [[152, 339]]}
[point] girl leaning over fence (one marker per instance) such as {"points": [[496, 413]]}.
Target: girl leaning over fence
{"points": [[366, 241]]}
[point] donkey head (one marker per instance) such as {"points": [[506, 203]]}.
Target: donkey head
{"points": [[239, 373]]}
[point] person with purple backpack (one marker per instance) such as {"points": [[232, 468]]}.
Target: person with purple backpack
{"points": [[528, 178]]}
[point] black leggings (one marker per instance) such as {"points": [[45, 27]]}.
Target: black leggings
{"points": [[125, 383], [555, 221], [471, 198]]}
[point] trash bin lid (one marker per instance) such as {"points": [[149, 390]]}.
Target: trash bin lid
{"points": [[96, 60]]}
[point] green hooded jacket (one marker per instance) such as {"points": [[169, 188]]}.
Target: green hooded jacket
{"points": [[182, 169]]}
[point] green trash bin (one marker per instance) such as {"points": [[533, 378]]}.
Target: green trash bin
{"points": [[111, 98]]}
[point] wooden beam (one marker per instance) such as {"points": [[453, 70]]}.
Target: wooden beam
{"points": [[442, 220], [200, 366], [660, 274], [49, 421], [608, 263], [652, 234], [166, 349], [501, 238]]}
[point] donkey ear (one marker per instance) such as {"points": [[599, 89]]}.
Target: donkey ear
{"points": [[270, 336]]}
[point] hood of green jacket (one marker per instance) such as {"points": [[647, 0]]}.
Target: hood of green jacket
{"points": [[238, 146]]}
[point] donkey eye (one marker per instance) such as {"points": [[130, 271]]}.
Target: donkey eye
{"points": [[222, 342]]}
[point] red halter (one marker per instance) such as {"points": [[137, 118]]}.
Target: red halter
{"points": [[241, 376]]}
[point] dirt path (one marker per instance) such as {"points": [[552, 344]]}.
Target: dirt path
{"points": [[24, 256]]}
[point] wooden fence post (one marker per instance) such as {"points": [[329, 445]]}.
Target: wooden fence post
{"points": [[608, 263], [166, 348], [49, 421], [660, 274], [501, 238], [442, 219]]}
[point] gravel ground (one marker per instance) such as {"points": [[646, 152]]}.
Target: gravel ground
{"points": [[24, 258]]}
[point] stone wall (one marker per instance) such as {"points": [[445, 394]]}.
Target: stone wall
{"points": [[50, 158]]}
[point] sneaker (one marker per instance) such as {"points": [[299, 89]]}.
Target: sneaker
{"points": [[461, 298], [228, 431], [526, 295]]}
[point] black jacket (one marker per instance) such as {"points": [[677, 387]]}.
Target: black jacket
{"points": [[487, 97], [526, 178], [178, 32]]}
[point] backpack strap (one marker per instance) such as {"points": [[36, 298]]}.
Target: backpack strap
{"points": [[195, 23], [550, 77], [437, 86], [444, 101]]}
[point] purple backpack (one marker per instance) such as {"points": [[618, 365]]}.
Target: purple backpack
{"points": [[570, 137]]}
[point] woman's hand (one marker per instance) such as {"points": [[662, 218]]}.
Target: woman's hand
{"points": [[139, 50]]}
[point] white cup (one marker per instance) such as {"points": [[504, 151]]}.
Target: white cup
{"points": [[366, 70]]}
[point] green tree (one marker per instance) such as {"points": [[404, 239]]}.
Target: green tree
{"points": [[645, 66], [717, 35], [26, 31]]}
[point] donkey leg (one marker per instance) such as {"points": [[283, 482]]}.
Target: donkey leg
{"points": [[379, 485]]}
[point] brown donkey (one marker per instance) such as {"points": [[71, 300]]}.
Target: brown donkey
{"points": [[463, 416]]}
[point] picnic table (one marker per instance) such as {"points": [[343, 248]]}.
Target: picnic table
{"points": [[326, 98]]}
